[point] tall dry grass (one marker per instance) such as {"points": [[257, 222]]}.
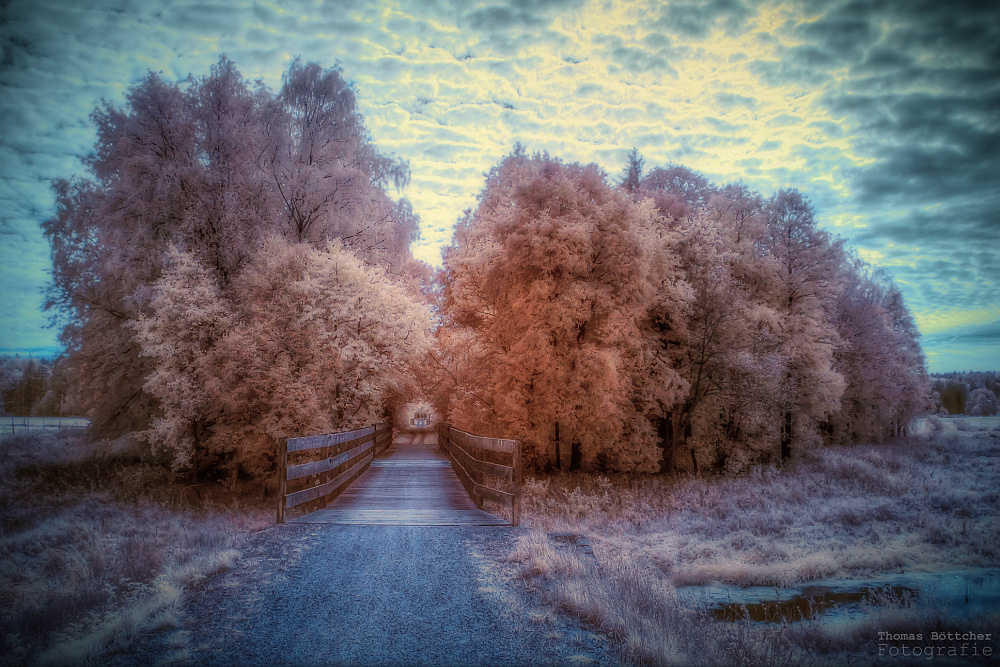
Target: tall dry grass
{"points": [[922, 504], [98, 545]]}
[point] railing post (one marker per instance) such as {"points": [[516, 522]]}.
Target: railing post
{"points": [[515, 503], [282, 478]]}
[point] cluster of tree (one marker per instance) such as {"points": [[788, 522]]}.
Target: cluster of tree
{"points": [[234, 270], [973, 393], [664, 323], [32, 387]]}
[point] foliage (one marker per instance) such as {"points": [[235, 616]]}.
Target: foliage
{"points": [[23, 384], [548, 285], [666, 324], [983, 403], [192, 185], [952, 391], [309, 341]]}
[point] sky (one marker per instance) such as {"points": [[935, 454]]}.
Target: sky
{"points": [[885, 113]]}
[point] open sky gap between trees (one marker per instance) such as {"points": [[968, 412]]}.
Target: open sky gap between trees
{"points": [[234, 269]]}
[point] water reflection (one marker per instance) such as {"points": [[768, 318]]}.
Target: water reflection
{"points": [[960, 594], [813, 601]]}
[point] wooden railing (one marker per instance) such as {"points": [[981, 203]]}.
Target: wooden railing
{"points": [[313, 470], [489, 468], [10, 424]]}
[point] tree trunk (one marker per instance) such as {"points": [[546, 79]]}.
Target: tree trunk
{"points": [[575, 455], [675, 433], [665, 434], [786, 436], [558, 458], [196, 437]]}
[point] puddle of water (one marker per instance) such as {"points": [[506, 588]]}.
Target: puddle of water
{"points": [[813, 601], [960, 594]]}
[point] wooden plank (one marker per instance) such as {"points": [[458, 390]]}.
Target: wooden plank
{"points": [[515, 505], [323, 465], [494, 469], [460, 471], [416, 486], [383, 438], [282, 478], [476, 490], [497, 496], [327, 440], [395, 517], [420, 484], [305, 495], [499, 445]]}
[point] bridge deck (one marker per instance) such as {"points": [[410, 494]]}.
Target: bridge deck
{"points": [[411, 483]]}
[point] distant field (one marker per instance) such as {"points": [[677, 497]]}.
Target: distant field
{"points": [[24, 424]]}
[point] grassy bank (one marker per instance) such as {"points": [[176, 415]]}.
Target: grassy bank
{"points": [[928, 503], [99, 545]]}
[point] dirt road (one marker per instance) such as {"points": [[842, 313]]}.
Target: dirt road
{"points": [[372, 595]]}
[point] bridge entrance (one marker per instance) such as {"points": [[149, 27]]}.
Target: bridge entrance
{"points": [[410, 483]]}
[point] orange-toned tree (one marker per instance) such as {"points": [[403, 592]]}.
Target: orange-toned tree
{"points": [[549, 283]]}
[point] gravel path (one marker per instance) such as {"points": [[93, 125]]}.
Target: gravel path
{"points": [[372, 595]]}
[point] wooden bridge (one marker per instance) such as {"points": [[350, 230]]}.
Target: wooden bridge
{"points": [[411, 482]]}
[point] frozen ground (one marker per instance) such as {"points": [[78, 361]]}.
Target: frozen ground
{"points": [[917, 508]]}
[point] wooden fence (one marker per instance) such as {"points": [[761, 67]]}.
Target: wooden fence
{"points": [[489, 468], [313, 470]]}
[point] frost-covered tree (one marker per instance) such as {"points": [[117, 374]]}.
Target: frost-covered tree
{"points": [[879, 357], [952, 390], [725, 346], [677, 191], [308, 341], [803, 265], [632, 177], [329, 178], [214, 169], [741, 330], [982, 403], [550, 281]]}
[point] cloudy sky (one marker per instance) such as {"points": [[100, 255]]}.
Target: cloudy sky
{"points": [[885, 113]]}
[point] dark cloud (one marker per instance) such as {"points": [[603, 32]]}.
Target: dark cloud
{"points": [[804, 65], [696, 18], [637, 58], [516, 15], [918, 84], [641, 60], [730, 100]]}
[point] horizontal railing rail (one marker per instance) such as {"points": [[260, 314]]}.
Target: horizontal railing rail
{"points": [[313, 470], [10, 424], [484, 465]]}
